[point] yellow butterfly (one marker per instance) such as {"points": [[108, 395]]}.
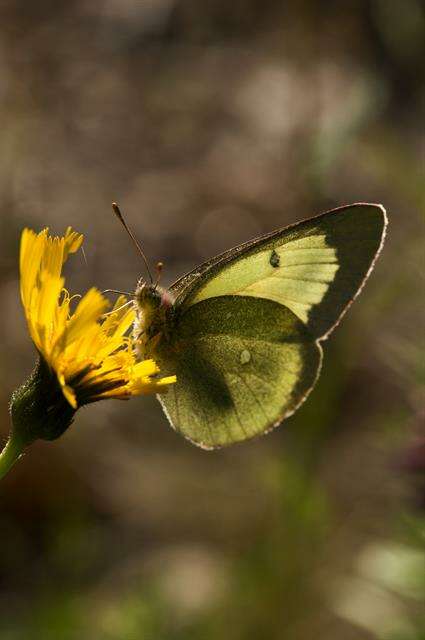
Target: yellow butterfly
{"points": [[243, 331]]}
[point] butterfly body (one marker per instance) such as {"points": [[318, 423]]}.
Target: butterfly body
{"points": [[154, 312], [242, 331]]}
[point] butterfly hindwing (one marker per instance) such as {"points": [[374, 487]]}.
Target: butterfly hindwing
{"points": [[242, 365]]}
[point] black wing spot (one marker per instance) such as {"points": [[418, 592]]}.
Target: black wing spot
{"points": [[275, 259]]}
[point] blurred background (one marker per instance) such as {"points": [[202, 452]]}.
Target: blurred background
{"points": [[211, 123]]}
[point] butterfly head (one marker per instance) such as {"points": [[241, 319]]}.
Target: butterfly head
{"points": [[151, 296], [152, 304]]}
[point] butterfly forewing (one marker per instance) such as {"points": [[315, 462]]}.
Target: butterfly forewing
{"points": [[315, 268]]}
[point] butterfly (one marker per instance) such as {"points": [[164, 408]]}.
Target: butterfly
{"points": [[243, 331]]}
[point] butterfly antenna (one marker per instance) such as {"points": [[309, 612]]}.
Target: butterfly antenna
{"points": [[159, 267], [122, 293], [120, 217]]}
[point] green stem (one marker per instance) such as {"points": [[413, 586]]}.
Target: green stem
{"points": [[10, 454]]}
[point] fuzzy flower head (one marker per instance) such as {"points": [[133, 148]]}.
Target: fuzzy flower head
{"points": [[85, 353]]}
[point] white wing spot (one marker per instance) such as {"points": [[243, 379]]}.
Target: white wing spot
{"points": [[245, 356]]}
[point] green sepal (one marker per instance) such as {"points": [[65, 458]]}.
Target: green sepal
{"points": [[38, 408]]}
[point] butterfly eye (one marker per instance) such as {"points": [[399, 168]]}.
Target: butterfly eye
{"points": [[155, 294]]}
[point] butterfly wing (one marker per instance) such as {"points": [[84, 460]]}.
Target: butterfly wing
{"points": [[242, 365], [245, 342], [315, 267]]}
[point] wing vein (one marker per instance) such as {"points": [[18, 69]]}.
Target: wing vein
{"points": [[244, 431], [285, 297], [282, 277], [308, 264], [254, 396]]}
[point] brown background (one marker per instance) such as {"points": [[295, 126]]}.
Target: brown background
{"points": [[211, 123]]}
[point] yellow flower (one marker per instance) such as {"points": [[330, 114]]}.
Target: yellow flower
{"points": [[85, 354], [88, 351]]}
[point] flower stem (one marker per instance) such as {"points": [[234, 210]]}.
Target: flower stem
{"points": [[10, 454]]}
